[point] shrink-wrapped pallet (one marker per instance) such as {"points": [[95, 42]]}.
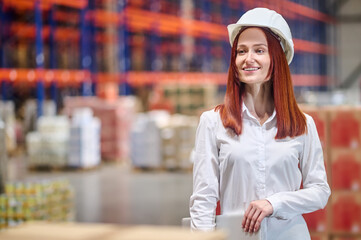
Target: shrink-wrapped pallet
{"points": [[145, 143], [84, 141]]}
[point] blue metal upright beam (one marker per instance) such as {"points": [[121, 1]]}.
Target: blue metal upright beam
{"points": [[154, 41], [226, 13], [52, 55], [85, 58], [92, 47], [124, 53], [40, 91], [206, 43], [4, 32], [2, 43]]}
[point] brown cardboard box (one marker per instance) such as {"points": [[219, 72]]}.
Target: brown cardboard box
{"points": [[347, 238], [317, 221], [346, 169], [345, 127], [346, 212], [3, 158], [78, 231], [319, 236], [116, 119]]}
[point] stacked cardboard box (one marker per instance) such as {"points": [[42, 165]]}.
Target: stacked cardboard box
{"points": [[178, 139], [116, 118], [190, 99], [49, 145], [38, 200], [162, 140], [7, 115], [84, 141], [345, 152], [317, 221], [29, 113], [3, 158], [339, 129]]}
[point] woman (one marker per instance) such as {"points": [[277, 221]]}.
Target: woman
{"points": [[253, 151]]}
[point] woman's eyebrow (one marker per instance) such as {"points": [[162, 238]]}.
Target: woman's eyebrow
{"points": [[254, 45]]}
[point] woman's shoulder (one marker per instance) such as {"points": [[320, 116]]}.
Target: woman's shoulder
{"points": [[309, 119], [210, 116], [310, 122]]}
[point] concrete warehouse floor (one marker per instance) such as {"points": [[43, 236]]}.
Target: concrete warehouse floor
{"points": [[115, 193]]}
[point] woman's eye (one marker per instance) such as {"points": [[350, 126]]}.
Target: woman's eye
{"points": [[260, 51], [241, 51]]}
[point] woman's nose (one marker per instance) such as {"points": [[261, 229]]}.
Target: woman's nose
{"points": [[249, 57]]}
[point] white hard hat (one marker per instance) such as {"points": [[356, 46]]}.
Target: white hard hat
{"points": [[264, 17]]}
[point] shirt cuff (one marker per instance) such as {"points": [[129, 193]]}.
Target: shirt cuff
{"points": [[276, 204]]}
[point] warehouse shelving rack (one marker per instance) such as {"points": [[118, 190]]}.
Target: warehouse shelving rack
{"points": [[162, 25]]}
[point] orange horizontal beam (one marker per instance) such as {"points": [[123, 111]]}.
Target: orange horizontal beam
{"points": [[312, 47], [103, 18], [306, 80], [71, 77], [142, 78], [290, 9], [67, 34], [25, 4], [166, 23], [28, 4], [61, 33], [69, 3], [28, 31], [308, 12], [69, 17], [47, 75]]}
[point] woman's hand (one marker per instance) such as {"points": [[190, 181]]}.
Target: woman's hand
{"points": [[255, 213]]}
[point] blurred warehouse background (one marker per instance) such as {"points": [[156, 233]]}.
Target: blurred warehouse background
{"points": [[100, 101]]}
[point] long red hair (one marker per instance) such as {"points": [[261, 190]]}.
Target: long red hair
{"points": [[290, 120]]}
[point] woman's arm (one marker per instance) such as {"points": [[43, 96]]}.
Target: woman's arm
{"points": [[316, 191], [205, 195]]}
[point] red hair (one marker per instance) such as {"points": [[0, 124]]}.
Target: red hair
{"points": [[291, 121]]}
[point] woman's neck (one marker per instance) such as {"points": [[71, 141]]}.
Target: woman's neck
{"points": [[259, 101]]}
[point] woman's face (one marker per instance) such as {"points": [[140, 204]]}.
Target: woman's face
{"points": [[253, 59]]}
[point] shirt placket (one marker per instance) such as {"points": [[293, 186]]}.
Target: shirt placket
{"points": [[261, 184]]}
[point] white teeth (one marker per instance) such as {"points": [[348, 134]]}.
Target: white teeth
{"points": [[250, 69]]}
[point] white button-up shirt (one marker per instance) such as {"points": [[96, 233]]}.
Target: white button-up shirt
{"points": [[236, 170]]}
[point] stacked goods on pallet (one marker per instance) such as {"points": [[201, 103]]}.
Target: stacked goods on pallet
{"points": [[178, 138], [30, 113], [116, 118], [84, 141], [7, 115], [145, 142], [339, 129], [346, 238], [161, 140], [345, 152], [317, 221], [48, 147], [3, 158], [190, 99], [50, 200]]}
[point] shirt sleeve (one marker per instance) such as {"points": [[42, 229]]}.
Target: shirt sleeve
{"points": [[316, 191], [203, 201]]}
